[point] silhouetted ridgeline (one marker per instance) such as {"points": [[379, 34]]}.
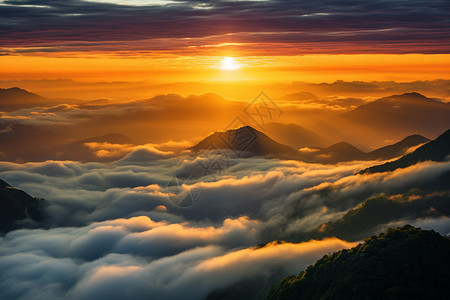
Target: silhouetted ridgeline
{"points": [[404, 263], [18, 209], [436, 150], [247, 141]]}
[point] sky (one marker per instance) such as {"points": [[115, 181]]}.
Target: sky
{"points": [[160, 76], [180, 41]]}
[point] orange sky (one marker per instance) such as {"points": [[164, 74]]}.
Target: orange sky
{"points": [[167, 41], [312, 68]]}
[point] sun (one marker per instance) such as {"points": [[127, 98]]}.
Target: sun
{"points": [[228, 63]]}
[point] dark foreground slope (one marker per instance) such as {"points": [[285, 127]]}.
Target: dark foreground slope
{"points": [[16, 207], [404, 263], [398, 148], [436, 150]]}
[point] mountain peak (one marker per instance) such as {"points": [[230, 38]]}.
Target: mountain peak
{"points": [[15, 88], [342, 146], [416, 94], [399, 148], [16, 98], [112, 138], [245, 141], [412, 97], [338, 152], [246, 127], [415, 138], [391, 117], [15, 91]]}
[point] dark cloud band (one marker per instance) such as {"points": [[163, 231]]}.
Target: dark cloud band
{"points": [[296, 27]]}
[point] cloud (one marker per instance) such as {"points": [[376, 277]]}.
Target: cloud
{"points": [[318, 27], [115, 229], [287, 196], [108, 149], [117, 259], [133, 154]]}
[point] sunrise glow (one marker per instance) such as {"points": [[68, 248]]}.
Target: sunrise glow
{"points": [[229, 64]]}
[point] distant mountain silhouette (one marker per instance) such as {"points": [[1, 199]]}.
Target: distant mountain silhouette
{"points": [[394, 117], [295, 135], [436, 150], [399, 109], [340, 152], [300, 96], [15, 98], [244, 142], [112, 138], [28, 142], [247, 141], [404, 263], [309, 98], [399, 148], [16, 206]]}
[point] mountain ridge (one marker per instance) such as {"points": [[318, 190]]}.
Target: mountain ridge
{"points": [[15, 98], [247, 141], [394, 117], [403, 263], [401, 146], [435, 150]]}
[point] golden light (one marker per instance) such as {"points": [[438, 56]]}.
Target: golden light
{"points": [[228, 63]]}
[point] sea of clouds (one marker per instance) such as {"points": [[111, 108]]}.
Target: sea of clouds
{"points": [[161, 225]]}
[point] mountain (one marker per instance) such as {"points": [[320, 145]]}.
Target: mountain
{"points": [[295, 135], [395, 117], [343, 151], [307, 98], [339, 152], [28, 142], [404, 263], [436, 150], [111, 138], [15, 98], [300, 96], [16, 207], [245, 141], [399, 148]]}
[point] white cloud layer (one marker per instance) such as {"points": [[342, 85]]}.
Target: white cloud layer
{"points": [[113, 231], [138, 258]]}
